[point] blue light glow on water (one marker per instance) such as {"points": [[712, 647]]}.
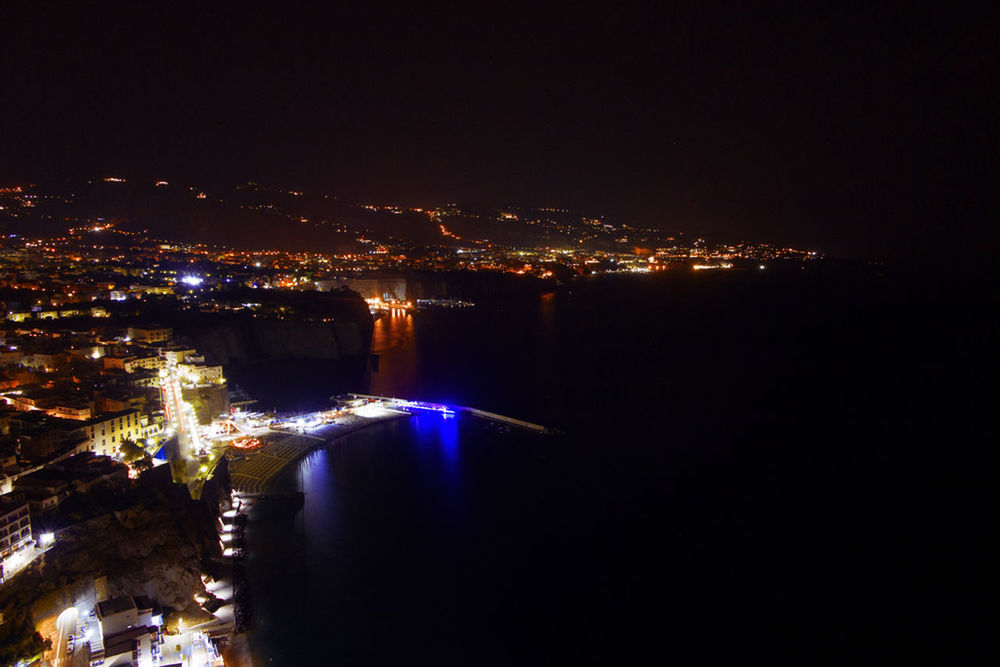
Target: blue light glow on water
{"points": [[683, 509], [388, 519], [448, 433]]}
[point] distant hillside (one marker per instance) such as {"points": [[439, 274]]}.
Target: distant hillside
{"points": [[251, 215]]}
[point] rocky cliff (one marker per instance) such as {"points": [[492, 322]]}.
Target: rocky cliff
{"points": [[285, 325], [258, 340], [157, 547]]}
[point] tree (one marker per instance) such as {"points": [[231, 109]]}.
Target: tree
{"points": [[130, 451]]}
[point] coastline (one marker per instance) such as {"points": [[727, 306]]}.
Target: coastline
{"points": [[259, 474], [280, 451], [254, 473]]}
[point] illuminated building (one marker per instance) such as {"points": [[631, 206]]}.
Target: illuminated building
{"points": [[105, 433], [15, 529]]}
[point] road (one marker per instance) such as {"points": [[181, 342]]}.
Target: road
{"points": [[66, 625]]}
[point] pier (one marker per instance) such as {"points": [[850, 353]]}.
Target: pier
{"points": [[405, 404]]}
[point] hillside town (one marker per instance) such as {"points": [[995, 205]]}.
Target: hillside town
{"points": [[82, 418], [127, 460]]}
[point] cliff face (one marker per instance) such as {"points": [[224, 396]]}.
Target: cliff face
{"points": [[256, 340], [288, 325], [138, 551], [156, 547]]}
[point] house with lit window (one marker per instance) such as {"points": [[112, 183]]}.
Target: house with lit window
{"points": [[104, 433], [151, 362], [200, 373], [150, 334], [177, 355]]}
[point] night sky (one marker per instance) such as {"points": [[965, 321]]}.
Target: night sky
{"points": [[868, 131]]}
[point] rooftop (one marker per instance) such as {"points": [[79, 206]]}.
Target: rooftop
{"points": [[115, 606]]}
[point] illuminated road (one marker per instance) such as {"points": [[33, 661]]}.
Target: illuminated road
{"points": [[66, 624], [180, 414]]}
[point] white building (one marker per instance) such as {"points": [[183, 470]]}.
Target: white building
{"points": [[124, 613], [176, 356], [128, 633], [104, 433], [200, 374]]}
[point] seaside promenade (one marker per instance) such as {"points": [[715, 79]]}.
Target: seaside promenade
{"points": [[255, 471]]}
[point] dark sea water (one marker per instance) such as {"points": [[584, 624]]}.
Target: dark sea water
{"points": [[754, 467]]}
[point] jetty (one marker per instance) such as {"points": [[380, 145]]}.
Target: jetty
{"points": [[405, 404]]}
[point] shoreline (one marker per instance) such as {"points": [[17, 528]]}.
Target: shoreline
{"points": [[254, 473], [286, 449]]}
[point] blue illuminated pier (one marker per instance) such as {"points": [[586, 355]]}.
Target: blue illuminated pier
{"points": [[451, 410]]}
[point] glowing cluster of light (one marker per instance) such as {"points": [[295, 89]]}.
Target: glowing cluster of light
{"points": [[371, 410], [246, 443], [446, 232]]}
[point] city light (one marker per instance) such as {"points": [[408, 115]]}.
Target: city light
{"points": [[193, 281]]}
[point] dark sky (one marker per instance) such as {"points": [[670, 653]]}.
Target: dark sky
{"points": [[862, 131]]}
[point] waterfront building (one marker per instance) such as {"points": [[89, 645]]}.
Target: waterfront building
{"points": [[128, 634], [124, 613]]}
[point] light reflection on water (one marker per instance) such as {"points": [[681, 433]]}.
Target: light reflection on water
{"points": [[478, 356], [394, 338], [393, 329], [658, 525], [388, 525]]}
